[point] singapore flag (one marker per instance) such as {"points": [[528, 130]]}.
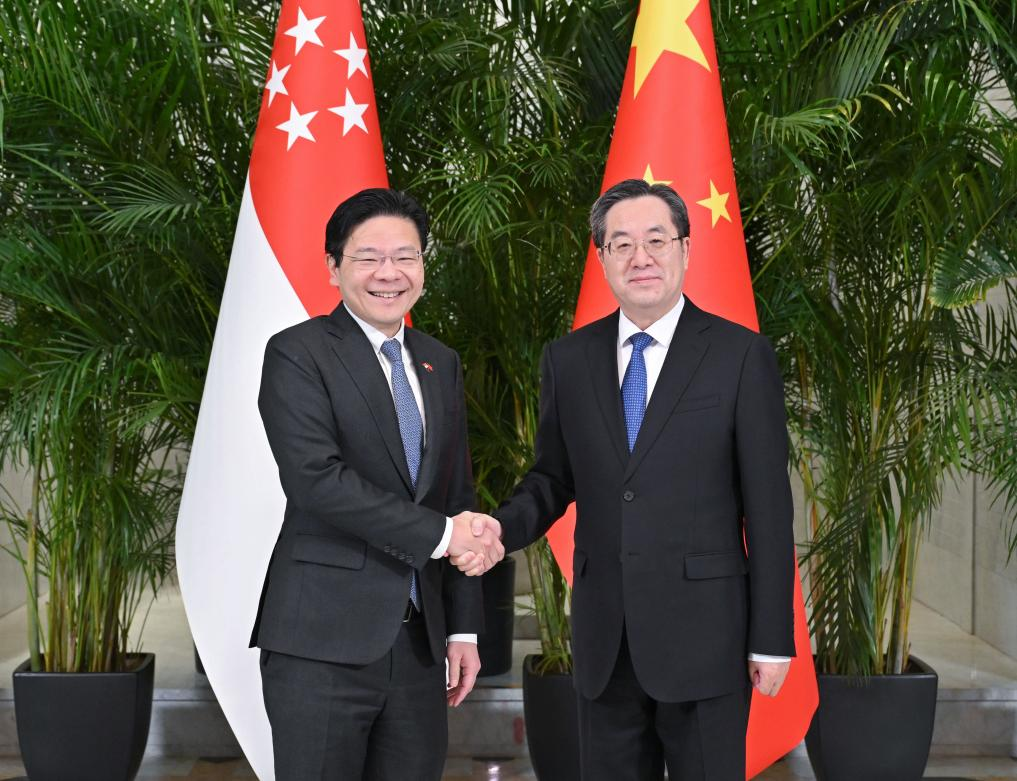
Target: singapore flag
{"points": [[317, 142]]}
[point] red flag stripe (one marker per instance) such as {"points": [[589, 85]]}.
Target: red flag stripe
{"points": [[673, 129]]}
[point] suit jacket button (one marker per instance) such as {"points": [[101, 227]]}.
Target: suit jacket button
{"points": [[388, 549], [628, 496]]}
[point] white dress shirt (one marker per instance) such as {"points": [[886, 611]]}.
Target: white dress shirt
{"points": [[655, 352], [377, 339], [662, 332]]}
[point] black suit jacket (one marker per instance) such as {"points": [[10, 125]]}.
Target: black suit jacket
{"points": [[658, 540], [339, 578]]}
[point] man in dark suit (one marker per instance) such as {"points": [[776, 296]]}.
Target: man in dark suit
{"points": [[367, 423], [666, 426]]}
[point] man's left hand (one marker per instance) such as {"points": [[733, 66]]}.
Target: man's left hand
{"points": [[768, 677], [463, 667]]}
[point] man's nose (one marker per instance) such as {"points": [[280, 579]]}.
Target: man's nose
{"points": [[641, 257], [387, 268]]}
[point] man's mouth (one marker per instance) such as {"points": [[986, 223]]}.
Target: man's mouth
{"points": [[386, 293]]}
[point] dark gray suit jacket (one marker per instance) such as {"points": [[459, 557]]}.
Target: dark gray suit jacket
{"points": [[658, 541], [339, 578]]}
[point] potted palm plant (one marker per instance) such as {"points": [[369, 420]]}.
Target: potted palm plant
{"points": [[881, 209], [118, 194], [549, 696], [76, 418]]}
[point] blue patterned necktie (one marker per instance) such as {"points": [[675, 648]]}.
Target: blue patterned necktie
{"points": [[633, 389], [411, 426]]}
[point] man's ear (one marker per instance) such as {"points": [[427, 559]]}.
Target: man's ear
{"points": [[332, 264]]}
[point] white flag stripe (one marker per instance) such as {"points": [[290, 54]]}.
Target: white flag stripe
{"points": [[232, 504]]}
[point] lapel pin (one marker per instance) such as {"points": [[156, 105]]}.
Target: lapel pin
{"points": [[427, 366]]}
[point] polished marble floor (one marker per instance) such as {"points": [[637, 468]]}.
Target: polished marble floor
{"points": [[793, 768]]}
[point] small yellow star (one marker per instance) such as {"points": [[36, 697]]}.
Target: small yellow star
{"points": [[663, 26], [648, 176], [717, 204]]}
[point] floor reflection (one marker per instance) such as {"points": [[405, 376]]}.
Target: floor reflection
{"points": [[793, 768]]}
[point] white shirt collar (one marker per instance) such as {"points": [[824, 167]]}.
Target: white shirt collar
{"points": [[374, 336], [661, 330]]}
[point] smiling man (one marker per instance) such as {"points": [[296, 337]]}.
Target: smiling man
{"points": [[665, 424], [360, 609]]}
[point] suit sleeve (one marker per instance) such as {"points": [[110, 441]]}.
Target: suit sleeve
{"points": [[297, 413], [762, 453], [547, 489], [462, 596]]}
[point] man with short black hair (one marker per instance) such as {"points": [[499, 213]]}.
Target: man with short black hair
{"points": [[359, 611]]}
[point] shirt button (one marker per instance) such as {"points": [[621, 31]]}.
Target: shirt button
{"points": [[628, 496]]}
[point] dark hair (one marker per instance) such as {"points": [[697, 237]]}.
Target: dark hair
{"points": [[373, 202], [637, 188]]}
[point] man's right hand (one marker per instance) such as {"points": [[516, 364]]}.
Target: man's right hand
{"points": [[475, 546]]}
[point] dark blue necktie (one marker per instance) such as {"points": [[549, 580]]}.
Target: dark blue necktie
{"points": [[411, 426], [633, 389]]}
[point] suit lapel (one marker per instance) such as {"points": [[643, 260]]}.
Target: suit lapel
{"points": [[425, 362], [354, 350], [602, 353], [685, 354]]}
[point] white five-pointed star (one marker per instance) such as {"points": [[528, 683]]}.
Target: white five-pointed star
{"points": [[354, 57], [304, 30], [296, 126], [275, 84], [352, 114]]}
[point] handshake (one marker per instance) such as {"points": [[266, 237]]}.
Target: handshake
{"points": [[475, 545]]}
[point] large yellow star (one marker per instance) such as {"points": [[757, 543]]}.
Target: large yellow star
{"points": [[663, 26], [648, 176], [717, 204]]}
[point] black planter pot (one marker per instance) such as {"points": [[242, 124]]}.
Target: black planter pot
{"points": [[552, 723], [495, 643], [84, 726], [877, 729]]}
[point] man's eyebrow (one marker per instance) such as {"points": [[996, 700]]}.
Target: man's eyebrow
{"points": [[369, 248]]}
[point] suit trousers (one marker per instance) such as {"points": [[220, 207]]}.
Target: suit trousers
{"points": [[381, 721], [626, 735]]}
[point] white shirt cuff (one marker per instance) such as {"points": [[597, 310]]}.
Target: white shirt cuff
{"points": [[462, 639], [765, 658], [445, 540]]}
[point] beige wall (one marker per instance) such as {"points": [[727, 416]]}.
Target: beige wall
{"points": [[995, 581], [944, 579], [12, 584], [963, 571]]}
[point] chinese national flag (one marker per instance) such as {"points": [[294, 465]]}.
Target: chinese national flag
{"points": [[317, 142], [671, 128]]}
